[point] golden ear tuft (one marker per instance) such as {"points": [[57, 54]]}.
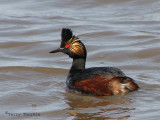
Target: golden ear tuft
{"points": [[78, 49], [76, 46]]}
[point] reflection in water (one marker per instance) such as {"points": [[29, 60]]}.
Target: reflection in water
{"points": [[98, 107]]}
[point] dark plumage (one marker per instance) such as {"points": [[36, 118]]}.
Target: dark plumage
{"points": [[66, 35], [96, 80]]}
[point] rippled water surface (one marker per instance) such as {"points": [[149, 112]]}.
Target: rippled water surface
{"points": [[119, 33]]}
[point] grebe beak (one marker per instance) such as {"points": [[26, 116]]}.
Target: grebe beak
{"points": [[57, 50]]}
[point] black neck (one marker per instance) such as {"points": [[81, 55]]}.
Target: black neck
{"points": [[78, 64]]}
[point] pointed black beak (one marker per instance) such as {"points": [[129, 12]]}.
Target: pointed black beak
{"points": [[57, 50]]}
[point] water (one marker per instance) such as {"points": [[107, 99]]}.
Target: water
{"points": [[123, 34]]}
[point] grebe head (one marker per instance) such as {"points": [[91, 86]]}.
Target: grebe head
{"points": [[71, 45]]}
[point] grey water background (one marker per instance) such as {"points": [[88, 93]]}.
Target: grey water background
{"points": [[119, 33]]}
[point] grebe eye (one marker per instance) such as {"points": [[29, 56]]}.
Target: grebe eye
{"points": [[66, 46]]}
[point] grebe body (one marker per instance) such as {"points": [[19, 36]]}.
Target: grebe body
{"points": [[96, 80]]}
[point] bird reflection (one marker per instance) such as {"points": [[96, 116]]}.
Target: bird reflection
{"points": [[85, 107]]}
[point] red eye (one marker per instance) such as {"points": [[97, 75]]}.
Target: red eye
{"points": [[66, 46]]}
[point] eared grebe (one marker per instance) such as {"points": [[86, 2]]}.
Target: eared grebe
{"points": [[95, 80]]}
